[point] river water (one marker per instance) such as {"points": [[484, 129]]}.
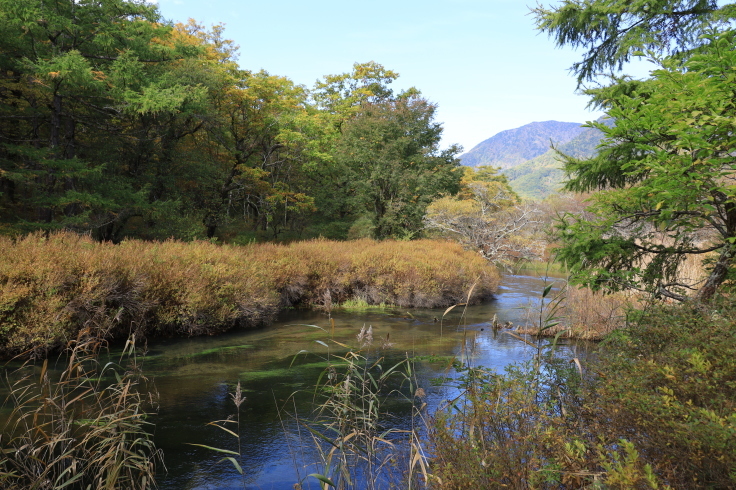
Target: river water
{"points": [[278, 367]]}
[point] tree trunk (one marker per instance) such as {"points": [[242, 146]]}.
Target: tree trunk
{"points": [[717, 275]]}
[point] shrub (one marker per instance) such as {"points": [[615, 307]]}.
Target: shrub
{"points": [[656, 409], [669, 386]]}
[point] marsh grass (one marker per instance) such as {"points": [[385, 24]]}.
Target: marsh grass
{"points": [[234, 457], [356, 445], [653, 410], [53, 287], [83, 428], [567, 311]]}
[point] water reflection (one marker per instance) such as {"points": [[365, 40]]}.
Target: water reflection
{"points": [[278, 367], [194, 377]]}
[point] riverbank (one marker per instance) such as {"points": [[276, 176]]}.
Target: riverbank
{"points": [[654, 408], [54, 287]]}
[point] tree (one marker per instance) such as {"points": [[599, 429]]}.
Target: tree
{"points": [[77, 79], [488, 216], [376, 161], [612, 31], [667, 178], [391, 154], [261, 163]]}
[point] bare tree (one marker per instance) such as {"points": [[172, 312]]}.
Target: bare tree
{"points": [[501, 230]]}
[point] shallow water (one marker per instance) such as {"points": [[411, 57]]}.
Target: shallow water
{"points": [[278, 366], [195, 376]]}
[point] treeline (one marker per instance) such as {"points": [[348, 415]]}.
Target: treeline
{"points": [[117, 123]]}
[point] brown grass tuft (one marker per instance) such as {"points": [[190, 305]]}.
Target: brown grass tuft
{"points": [[52, 287], [585, 314]]}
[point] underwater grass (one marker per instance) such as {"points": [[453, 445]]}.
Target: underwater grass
{"points": [[359, 304]]}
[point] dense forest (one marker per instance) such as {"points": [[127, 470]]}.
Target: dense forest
{"points": [[117, 123]]}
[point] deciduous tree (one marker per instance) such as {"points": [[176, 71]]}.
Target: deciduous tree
{"points": [[394, 164], [489, 217]]}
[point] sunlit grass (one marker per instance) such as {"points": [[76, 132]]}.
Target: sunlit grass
{"points": [[53, 286]]}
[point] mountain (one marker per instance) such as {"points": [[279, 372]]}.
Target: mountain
{"points": [[541, 176], [515, 146]]}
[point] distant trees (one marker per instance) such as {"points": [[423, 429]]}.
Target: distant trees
{"points": [[382, 162], [489, 217], [391, 153]]}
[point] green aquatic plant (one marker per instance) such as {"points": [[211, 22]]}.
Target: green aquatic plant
{"points": [[359, 304]]}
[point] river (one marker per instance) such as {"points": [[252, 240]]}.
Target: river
{"points": [[278, 367]]}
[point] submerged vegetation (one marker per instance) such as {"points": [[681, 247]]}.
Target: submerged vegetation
{"points": [[53, 287]]}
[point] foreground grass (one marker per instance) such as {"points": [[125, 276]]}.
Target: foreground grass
{"points": [[53, 287], [84, 428]]}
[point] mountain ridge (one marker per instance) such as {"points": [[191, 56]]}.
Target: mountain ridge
{"points": [[512, 147], [541, 174]]}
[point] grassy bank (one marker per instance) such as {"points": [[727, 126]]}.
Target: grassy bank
{"points": [[53, 287], [655, 409], [579, 313]]}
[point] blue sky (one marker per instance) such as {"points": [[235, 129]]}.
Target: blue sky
{"points": [[481, 61]]}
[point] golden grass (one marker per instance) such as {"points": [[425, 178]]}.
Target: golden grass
{"points": [[53, 287], [584, 314], [588, 315]]}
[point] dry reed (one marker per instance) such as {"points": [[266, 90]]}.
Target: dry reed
{"points": [[81, 429], [52, 287], [583, 314]]}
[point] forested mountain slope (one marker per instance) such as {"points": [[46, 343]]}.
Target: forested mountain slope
{"points": [[541, 176], [515, 146]]}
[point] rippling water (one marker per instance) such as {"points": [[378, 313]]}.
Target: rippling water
{"points": [[278, 366]]}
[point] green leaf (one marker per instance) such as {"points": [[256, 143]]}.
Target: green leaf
{"points": [[234, 462], [225, 451], [322, 478]]}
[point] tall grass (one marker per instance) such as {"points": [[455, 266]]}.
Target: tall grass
{"points": [[582, 314], [53, 287], [81, 430], [356, 447]]}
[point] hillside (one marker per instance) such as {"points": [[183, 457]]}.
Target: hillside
{"points": [[515, 146], [541, 176]]}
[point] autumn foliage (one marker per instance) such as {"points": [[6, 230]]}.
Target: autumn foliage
{"points": [[52, 287]]}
